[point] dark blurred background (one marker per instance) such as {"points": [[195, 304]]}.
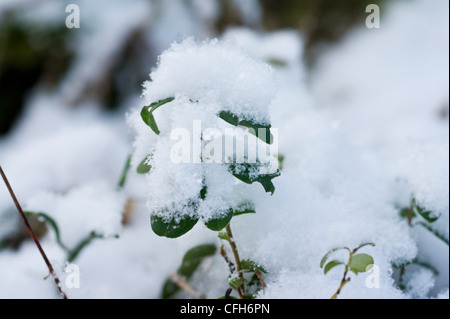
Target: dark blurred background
{"points": [[38, 55]]}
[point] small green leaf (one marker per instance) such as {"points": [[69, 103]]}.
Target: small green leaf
{"points": [[277, 63], [427, 215], [245, 208], [147, 113], [143, 167], [245, 172], [220, 223], [235, 282], [149, 119], [203, 192], [53, 224], [360, 262], [250, 266], [280, 161], [331, 265], [407, 213], [191, 261], [73, 254], [171, 228], [254, 128], [223, 235], [325, 258], [124, 175]]}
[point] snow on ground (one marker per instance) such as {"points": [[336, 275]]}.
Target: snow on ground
{"points": [[362, 136]]}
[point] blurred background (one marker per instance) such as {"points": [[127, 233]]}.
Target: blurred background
{"points": [[110, 56]]}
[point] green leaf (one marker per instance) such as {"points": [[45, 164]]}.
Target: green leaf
{"points": [[220, 223], [235, 282], [325, 258], [363, 245], [171, 228], [53, 224], [223, 235], [277, 63], [360, 262], [73, 254], [147, 113], [245, 208], [280, 158], [143, 167], [407, 213], [250, 266], [245, 172], [254, 127], [203, 192], [191, 261], [434, 232], [124, 175], [331, 265], [427, 215]]}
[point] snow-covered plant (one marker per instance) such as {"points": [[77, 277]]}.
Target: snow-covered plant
{"points": [[415, 214], [203, 135], [356, 263], [195, 93]]}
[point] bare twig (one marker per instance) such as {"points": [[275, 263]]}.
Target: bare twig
{"points": [[183, 284], [345, 280], [258, 274], [223, 253], [236, 258], [33, 236]]}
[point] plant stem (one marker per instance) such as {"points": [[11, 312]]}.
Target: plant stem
{"points": [[33, 236], [236, 256], [344, 280], [261, 280]]}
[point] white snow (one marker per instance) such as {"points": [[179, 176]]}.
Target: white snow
{"points": [[361, 134]]}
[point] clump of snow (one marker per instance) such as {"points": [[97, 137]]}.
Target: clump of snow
{"points": [[216, 73], [419, 283], [204, 78]]}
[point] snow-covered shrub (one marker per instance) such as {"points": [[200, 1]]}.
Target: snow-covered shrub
{"points": [[184, 135], [203, 135]]}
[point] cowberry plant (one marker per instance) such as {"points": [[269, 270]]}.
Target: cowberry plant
{"points": [[204, 186], [356, 263], [176, 226], [416, 215]]}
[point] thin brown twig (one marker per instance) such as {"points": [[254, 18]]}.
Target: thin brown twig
{"points": [[223, 253], [258, 274], [33, 236], [236, 259], [344, 280]]}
